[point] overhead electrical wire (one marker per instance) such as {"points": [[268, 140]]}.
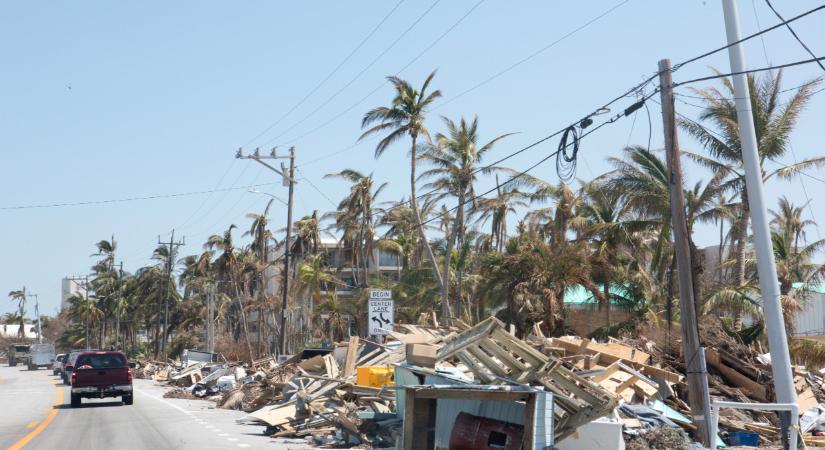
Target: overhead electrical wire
{"points": [[796, 36], [749, 37], [533, 55], [761, 69], [329, 75], [383, 83], [357, 76], [129, 199]]}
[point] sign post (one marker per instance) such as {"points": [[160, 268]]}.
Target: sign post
{"points": [[381, 312]]}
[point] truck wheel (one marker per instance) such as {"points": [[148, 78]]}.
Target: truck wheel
{"points": [[75, 401], [12, 362], [128, 399]]}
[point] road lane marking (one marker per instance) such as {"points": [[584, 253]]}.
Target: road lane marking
{"points": [[27, 438], [31, 425]]}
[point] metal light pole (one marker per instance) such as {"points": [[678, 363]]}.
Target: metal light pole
{"points": [[765, 263], [37, 315]]}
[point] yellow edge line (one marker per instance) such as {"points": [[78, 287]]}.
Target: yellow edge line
{"points": [[27, 438]]}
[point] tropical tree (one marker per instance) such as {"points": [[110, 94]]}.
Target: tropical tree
{"points": [[19, 296], [456, 159], [405, 117], [354, 218], [788, 219], [774, 121]]}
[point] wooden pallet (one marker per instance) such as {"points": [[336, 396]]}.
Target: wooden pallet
{"points": [[497, 357]]}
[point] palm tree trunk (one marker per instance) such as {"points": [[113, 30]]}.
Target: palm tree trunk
{"points": [[460, 239], [414, 205], [607, 302], [454, 311], [741, 241]]}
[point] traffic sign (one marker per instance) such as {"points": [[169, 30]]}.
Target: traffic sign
{"points": [[381, 316], [380, 294]]}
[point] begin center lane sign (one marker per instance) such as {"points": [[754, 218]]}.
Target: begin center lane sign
{"points": [[381, 312]]}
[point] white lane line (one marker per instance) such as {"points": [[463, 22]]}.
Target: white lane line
{"points": [[232, 439], [223, 434], [244, 445], [168, 403]]}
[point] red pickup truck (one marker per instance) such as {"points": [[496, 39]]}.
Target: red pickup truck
{"points": [[101, 374]]}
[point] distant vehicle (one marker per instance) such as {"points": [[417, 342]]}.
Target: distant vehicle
{"points": [[57, 366], [69, 364], [40, 355], [18, 354], [101, 374]]}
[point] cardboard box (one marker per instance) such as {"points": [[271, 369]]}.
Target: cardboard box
{"points": [[422, 355]]}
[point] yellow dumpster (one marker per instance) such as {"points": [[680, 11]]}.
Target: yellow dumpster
{"points": [[374, 376]]}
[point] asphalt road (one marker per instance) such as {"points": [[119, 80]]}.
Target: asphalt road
{"points": [[35, 414]]}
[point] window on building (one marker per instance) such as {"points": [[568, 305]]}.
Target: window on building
{"points": [[388, 259]]}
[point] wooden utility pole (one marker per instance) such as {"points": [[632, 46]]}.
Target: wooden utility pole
{"points": [[288, 180], [287, 248], [170, 261], [693, 353]]}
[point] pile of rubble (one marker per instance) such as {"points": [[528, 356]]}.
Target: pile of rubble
{"points": [[433, 384]]}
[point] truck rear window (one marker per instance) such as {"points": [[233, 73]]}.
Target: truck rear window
{"points": [[100, 362]]}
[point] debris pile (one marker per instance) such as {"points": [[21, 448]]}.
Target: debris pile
{"points": [[623, 390]]}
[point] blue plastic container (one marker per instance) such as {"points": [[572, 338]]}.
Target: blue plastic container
{"points": [[743, 438]]}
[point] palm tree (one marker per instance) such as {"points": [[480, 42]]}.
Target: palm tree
{"points": [[774, 122], [19, 296], [313, 279], [229, 268], [405, 117], [456, 158], [85, 309], [789, 220], [496, 209], [534, 275], [354, 218]]}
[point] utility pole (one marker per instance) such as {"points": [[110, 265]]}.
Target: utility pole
{"points": [[210, 317], [765, 263], [117, 310], [288, 180], [693, 353], [172, 245], [37, 315]]}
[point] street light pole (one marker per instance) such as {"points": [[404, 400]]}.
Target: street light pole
{"points": [[289, 179], [765, 262]]}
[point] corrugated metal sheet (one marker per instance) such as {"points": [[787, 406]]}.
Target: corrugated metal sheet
{"points": [[811, 320]]}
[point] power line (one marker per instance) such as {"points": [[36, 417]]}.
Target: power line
{"points": [[383, 83], [129, 199], [358, 75], [796, 36], [303, 177], [534, 54], [329, 75], [206, 199], [761, 69], [749, 37]]}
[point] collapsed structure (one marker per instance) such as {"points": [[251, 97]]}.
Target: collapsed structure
{"points": [[481, 387]]}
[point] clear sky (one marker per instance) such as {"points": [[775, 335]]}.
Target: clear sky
{"points": [[110, 100]]}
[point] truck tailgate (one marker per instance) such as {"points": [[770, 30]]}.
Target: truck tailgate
{"points": [[101, 377]]}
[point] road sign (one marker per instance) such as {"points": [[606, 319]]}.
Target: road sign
{"points": [[380, 294], [381, 312]]}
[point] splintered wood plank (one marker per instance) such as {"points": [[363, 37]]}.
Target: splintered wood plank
{"points": [[480, 376], [489, 363], [467, 338], [352, 356], [505, 357]]}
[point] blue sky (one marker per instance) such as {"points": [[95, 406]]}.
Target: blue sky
{"points": [[109, 100]]}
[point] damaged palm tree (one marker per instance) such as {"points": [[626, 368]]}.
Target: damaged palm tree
{"points": [[497, 357]]}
